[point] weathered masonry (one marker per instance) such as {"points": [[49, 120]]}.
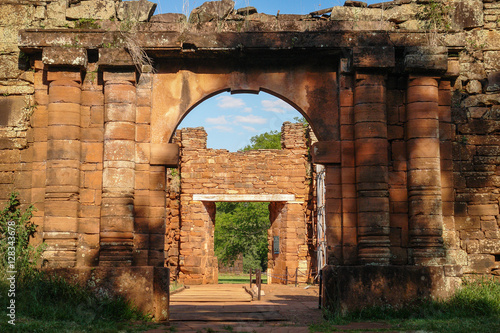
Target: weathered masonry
{"points": [[281, 177], [406, 116]]}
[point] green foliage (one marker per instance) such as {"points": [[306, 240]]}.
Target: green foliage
{"points": [[241, 228], [475, 307], [301, 120], [87, 23], [42, 301], [435, 14], [268, 140], [16, 230]]}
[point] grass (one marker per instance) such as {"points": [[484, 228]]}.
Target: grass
{"points": [[50, 304], [473, 308], [226, 278]]}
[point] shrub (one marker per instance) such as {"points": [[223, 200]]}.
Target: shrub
{"points": [[16, 230]]}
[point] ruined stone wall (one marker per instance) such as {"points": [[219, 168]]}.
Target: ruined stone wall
{"points": [[258, 172], [66, 162], [475, 124]]}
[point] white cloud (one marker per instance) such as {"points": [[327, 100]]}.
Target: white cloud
{"points": [[230, 102], [247, 109], [250, 119], [217, 121], [276, 106], [222, 128], [249, 128]]}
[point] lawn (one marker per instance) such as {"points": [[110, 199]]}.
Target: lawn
{"points": [[226, 278], [473, 308]]}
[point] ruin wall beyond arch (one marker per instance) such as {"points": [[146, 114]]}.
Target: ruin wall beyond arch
{"points": [[266, 175]]}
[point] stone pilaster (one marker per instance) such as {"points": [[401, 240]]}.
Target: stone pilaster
{"points": [[117, 210], [424, 171], [371, 147], [62, 189]]}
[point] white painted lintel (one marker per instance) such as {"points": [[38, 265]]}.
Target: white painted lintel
{"points": [[244, 197]]}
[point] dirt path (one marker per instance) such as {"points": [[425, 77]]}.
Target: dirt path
{"points": [[282, 309]]}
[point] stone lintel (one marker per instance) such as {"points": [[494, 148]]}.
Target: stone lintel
{"points": [[65, 56], [57, 74], [166, 154], [326, 152], [114, 57], [374, 57], [169, 42], [426, 59], [244, 197], [110, 75]]}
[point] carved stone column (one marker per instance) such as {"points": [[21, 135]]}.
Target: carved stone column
{"points": [[424, 171], [63, 169], [371, 147], [117, 211]]}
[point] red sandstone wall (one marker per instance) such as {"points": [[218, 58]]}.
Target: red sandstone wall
{"points": [[209, 171]]}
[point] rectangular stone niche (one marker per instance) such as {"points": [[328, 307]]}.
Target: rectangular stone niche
{"points": [[244, 197]]}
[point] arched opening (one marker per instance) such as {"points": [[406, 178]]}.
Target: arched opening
{"points": [[255, 175], [240, 115]]}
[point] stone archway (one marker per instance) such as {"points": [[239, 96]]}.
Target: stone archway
{"points": [[379, 103]]}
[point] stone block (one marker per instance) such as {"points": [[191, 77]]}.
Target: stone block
{"points": [[115, 57], [373, 57], [490, 246], [119, 131], [92, 98], [96, 9], [371, 152], [365, 286], [481, 210], [145, 287], [326, 152], [423, 128], [119, 112], [65, 56], [13, 110], [467, 222], [164, 154], [136, 11], [119, 150], [92, 152], [64, 114], [65, 177], [480, 263], [97, 115], [60, 224], [467, 14], [121, 178], [63, 149]]}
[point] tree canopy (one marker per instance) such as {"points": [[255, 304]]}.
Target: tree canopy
{"points": [[241, 228], [267, 140]]}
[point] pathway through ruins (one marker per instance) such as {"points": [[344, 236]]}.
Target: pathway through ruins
{"points": [[224, 308]]}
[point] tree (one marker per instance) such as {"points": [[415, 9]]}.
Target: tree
{"points": [[267, 140], [241, 228]]}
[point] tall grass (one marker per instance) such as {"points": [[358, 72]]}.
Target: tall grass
{"points": [[46, 303], [475, 307]]}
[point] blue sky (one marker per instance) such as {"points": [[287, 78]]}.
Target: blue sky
{"points": [[263, 6], [231, 120]]}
